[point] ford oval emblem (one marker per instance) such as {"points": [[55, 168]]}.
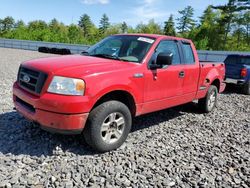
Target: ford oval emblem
{"points": [[26, 78]]}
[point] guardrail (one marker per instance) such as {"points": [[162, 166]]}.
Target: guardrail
{"points": [[34, 45], [76, 49]]}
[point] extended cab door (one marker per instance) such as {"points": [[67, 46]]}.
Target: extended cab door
{"points": [[164, 87], [191, 71]]}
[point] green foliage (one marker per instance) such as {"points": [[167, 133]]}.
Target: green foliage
{"points": [[229, 13], [169, 28], [124, 27], [86, 24], [104, 24], [224, 27], [151, 28], [186, 21], [6, 24]]}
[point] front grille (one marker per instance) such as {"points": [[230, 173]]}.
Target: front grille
{"points": [[31, 80]]}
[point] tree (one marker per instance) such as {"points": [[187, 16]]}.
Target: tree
{"points": [[7, 24], [186, 21], [104, 24], [74, 34], [141, 28], [19, 24], [151, 28], [38, 30], [54, 24], [169, 28], [208, 16], [228, 12], [206, 35], [247, 26], [86, 24], [124, 27]]}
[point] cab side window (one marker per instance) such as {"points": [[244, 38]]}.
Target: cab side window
{"points": [[188, 54], [170, 46]]}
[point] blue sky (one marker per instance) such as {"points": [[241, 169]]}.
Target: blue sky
{"points": [[131, 11]]}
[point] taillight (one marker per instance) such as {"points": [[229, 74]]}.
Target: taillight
{"points": [[243, 72]]}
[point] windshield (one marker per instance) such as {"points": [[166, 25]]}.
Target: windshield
{"points": [[124, 48]]}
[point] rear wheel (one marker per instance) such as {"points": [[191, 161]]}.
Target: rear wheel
{"points": [[208, 103], [108, 126], [246, 88]]}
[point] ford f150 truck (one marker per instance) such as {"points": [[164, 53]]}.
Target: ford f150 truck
{"points": [[98, 92], [238, 71]]}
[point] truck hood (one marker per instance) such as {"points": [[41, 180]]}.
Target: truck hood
{"points": [[77, 65]]}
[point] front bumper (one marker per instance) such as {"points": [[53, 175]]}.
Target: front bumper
{"points": [[65, 123]]}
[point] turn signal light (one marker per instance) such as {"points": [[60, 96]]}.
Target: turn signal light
{"points": [[243, 72]]}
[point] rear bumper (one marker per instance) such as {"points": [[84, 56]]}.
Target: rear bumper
{"points": [[64, 123], [235, 81]]}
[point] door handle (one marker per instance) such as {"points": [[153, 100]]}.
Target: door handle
{"points": [[182, 74]]}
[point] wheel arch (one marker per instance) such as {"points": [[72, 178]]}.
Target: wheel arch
{"points": [[119, 95], [216, 82]]}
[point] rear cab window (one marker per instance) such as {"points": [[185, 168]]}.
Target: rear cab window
{"points": [[237, 59], [188, 54], [245, 60]]}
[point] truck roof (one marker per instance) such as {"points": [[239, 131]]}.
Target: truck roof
{"points": [[156, 36]]}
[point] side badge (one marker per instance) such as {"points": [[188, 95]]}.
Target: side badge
{"points": [[138, 75]]}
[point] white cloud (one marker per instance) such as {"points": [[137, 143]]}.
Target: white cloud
{"points": [[91, 2], [148, 9]]}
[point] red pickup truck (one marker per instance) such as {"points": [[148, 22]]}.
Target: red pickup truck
{"points": [[98, 92]]}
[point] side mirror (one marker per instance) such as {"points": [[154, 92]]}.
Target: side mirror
{"points": [[164, 58]]}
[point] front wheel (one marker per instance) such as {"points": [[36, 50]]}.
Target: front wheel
{"points": [[246, 88], [208, 103], [108, 126]]}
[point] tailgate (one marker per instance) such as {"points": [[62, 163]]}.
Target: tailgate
{"points": [[233, 70]]}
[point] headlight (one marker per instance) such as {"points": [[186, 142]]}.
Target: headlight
{"points": [[67, 86]]}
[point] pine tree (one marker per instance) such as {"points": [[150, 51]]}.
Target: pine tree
{"points": [[86, 24], [19, 24], [104, 24], [247, 26], [124, 27], [169, 28], [208, 16], [208, 29], [228, 12], [186, 21]]}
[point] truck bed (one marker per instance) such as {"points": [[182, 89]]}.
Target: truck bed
{"points": [[207, 68]]}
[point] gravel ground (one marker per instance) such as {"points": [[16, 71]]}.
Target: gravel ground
{"points": [[178, 147]]}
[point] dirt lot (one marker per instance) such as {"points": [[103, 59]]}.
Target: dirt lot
{"points": [[178, 147]]}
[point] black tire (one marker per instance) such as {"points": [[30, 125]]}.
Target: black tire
{"points": [[66, 51], [246, 89], [43, 49], [93, 132], [205, 103]]}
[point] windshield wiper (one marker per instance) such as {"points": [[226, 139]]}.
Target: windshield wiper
{"points": [[84, 53], [111, 57], [107, 56]]}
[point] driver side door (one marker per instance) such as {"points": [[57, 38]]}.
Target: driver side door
{"points": [[164, 87]]}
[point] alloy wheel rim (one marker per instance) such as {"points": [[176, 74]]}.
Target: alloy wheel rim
{"points": [[212, 100], [112, 127]]}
